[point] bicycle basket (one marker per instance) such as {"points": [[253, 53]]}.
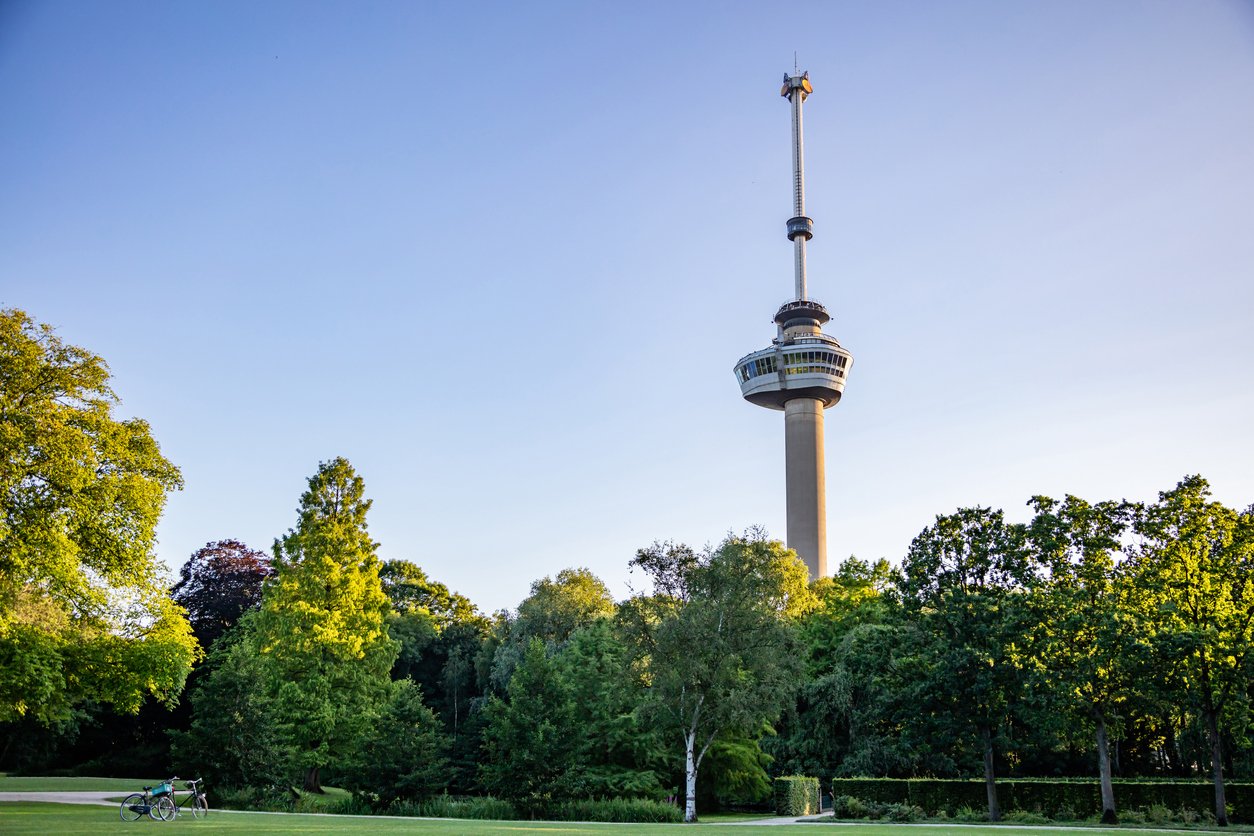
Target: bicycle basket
{"points": [[164, 788]]}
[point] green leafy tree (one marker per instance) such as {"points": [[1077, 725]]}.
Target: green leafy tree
{"points": [[1194, 573], [84, 615], [403, 758], [233, 739], [410, 591], [531, 741], [618, 754], [1085, 631], [814, 734], [321, 632], [559, 606], [554, 610], [962, 582], [440, 633], [716, 640]]}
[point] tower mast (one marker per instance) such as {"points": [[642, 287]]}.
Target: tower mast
{"points": [[802, 372]]}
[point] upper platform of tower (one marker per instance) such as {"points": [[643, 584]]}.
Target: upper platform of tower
{"points": [[802, 361]]}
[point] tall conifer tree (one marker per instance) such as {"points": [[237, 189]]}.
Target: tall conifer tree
{"points": [[321, 632]]}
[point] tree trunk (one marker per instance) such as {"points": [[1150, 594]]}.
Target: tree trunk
{"points": [[313, 782], [690, 772], [1103, 771], [990, 780], [1171, 748], [1217, 767]]}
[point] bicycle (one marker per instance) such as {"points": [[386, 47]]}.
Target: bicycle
{"points": [[155, 801], [200, 806]]}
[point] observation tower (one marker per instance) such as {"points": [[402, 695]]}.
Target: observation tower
{"points": [[802, 372]]}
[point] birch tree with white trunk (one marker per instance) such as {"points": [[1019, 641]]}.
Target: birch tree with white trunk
{"points": [[716, 639]]}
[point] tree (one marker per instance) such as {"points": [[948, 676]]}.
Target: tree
{"points": [[403, 758], [83, 612], [1194, 574], [618, 754], [962, 580], [554, 610], [559, 606], [1085, 634], [321, 632], [715, 639], [815, 732], [411, 591], [531, 740], [219, 583], [233, 739]]}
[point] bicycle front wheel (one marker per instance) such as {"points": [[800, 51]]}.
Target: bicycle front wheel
{"points": [[200, 808], [164, 809], [133, 807]]}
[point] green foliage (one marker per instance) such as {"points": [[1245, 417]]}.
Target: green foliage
{"points": [[1057, 799], [233, 739], [618, 755], [716, 639], [531, 739], [796, 795], [450, 807], [321, 633], [962, 583], [557, 607], [554, 610], [403, 756], [83, 615], [1194, 580], [411, 592], [611, 810], [852, 807]]}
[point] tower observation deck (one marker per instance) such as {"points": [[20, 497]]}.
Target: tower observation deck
{"points": [[802, 372]]}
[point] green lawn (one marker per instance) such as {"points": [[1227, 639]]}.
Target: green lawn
{"points": [[34, 818], [9, 783]]}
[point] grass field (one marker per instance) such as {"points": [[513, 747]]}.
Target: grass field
{"points": [[35, 818], [38, 818], [9, 783]]}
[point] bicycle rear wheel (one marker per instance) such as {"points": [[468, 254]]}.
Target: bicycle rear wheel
{"points": [[200, 807], [164, 809], [133, 806]]}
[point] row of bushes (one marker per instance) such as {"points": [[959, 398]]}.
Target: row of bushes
{"points": [[848, 807], [1051, 798], [454, 807]]}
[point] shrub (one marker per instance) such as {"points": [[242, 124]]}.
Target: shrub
{"points": [[449, 807], [848, 807], [796, 795], [967, 813], [903, 812], [1068, 799], [613, 810], [265, 799], [1026, 817]]}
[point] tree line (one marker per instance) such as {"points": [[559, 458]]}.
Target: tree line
{"points": [[1099, 639]]}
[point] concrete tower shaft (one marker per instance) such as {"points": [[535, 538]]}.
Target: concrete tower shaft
{"points": [[802, 372]]}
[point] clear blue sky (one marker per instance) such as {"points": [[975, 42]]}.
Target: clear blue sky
{"points": [[503, 256]]}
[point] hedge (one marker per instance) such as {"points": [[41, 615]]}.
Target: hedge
{"points": [[796, 795], [1047, 796]]}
